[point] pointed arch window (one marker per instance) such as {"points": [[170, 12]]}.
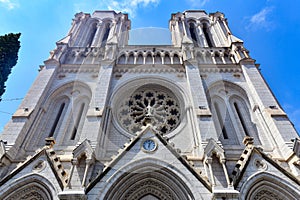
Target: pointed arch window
{"points": [[149, 59], [105, 35], [77, 121], [167, 59], [176, 59], [241, 118], [91, 34], [193, 33], [158, 59], [140, 59], [222, 25], [130, 59], [57, 119], [231, 113], [122, 59], [221, 121]]}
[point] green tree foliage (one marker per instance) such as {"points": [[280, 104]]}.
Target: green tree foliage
{"points": [[9, 48]]}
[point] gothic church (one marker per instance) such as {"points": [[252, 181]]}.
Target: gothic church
{"points": [[187, 121]]}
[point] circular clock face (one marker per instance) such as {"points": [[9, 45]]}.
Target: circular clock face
{"points": [[149, 145]]}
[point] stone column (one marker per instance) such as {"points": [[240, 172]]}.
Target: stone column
{"points": [[74, 162], [201, 33], [222, 161], [267, 107], [88, 163], [209, 163], [205, 127], [97, 37], [92, 128], [222, 34], [177, 33]]}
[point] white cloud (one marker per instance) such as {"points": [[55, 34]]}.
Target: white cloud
{"points": [[197, 3], [261, 20], [260, 17], [125, 6], [129, 6], [9, 4]]}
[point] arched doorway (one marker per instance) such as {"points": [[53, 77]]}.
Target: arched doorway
{"points": [[149, 182], [266, 186], [30, 191]]}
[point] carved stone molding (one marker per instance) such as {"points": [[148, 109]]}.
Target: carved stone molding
{"points": [[29, 192], [39, 166], [149, 55], [78, 69], [266, 195], [224, 69], [149, 69]]}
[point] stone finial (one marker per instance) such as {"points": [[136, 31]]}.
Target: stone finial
{"points": [[50, 141], [2, 148], [248, 140]]}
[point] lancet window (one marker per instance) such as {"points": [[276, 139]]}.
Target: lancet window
{"points": [[105, 35], [207, 34], [91, 35], [193, 33], [77, 121], [231, 113], [58, 118]]}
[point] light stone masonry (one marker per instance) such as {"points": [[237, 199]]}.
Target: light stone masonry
{"points": [[109, 120]]}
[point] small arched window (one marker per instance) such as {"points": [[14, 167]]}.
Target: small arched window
{"points": [[157, 59], [122, 59], [167, 59], [130, 59], [176, 59], [149, 59], [140, 59], [218, 58]]}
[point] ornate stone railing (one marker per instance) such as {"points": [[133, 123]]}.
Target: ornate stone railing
{"points": [[160, 54], [138, 55], [214, 55]]}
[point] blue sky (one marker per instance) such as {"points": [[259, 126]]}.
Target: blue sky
{"points": [[270, 30]]}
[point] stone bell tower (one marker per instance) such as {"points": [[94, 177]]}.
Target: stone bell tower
{"points": [[109, 120]]}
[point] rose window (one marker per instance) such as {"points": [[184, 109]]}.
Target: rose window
{"points": [[156, 107]]}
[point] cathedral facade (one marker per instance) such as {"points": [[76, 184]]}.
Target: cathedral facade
{"points": [[109, 120]]}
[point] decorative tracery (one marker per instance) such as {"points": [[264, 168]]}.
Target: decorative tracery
{"points": [[267, 195], [30, 192], [150, 106]]}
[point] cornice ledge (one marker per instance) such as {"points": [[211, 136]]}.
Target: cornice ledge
{"points": [[149, 69], [220, 70], [75, 69], [247, 61], [51, 62]]}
